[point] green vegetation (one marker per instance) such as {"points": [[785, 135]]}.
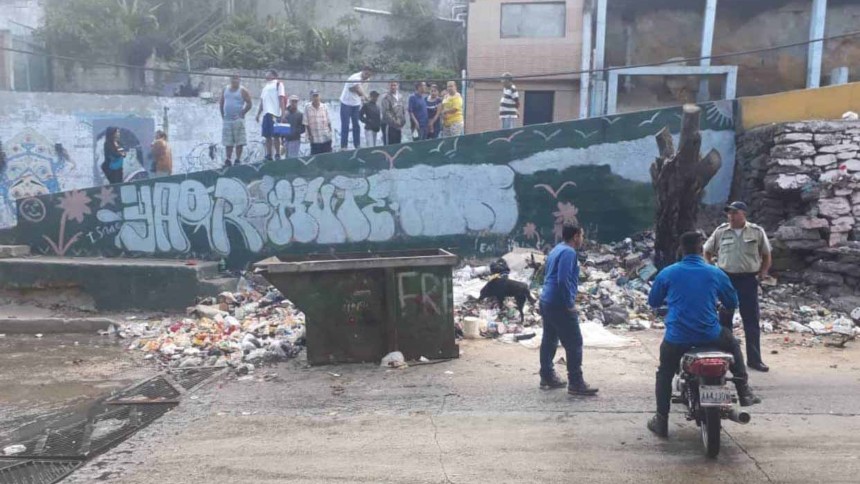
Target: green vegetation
{"points": [[131, 31]]}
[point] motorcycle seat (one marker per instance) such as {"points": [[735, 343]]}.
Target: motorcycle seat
{"points": [[703, 349]]}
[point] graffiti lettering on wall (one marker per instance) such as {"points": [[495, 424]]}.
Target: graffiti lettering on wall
{"points": [[211, 156], [420, 201], [481, 194], [423, 293], [32, 166], [136, 136]]}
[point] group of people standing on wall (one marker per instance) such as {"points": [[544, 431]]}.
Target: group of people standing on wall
{"points": [[429, 112]]}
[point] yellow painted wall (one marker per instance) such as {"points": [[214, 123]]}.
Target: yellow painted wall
{"points": [[803, 105]]}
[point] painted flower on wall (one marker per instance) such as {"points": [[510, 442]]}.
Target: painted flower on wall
{"points": [[530, 231], [75, 205], [566, 214], [106, 197]]}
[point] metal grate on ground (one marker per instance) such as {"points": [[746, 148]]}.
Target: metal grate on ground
{"points": [[57, 452], [189, 378], [34, 471], [157, 388]]}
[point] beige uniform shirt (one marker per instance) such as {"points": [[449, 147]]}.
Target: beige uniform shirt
{"points": [[738, 253]]}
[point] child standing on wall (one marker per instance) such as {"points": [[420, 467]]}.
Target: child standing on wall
{"points": [[372, 119], [162, 157]]}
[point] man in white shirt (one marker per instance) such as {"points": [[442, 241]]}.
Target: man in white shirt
{"points": [[350, 105], [273, 103]]}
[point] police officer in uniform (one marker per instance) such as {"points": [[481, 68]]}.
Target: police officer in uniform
{"points": [[743, 251]]}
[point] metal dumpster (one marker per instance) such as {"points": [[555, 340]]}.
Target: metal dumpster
{"points": [[361, 306]]}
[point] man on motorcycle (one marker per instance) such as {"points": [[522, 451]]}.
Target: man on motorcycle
{"points": [[691, 289]]}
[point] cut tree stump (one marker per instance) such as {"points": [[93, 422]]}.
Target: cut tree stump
{"points": [[679, 180]]}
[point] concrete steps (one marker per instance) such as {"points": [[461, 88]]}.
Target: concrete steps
{"points": [[117, 284], [12, 251]]}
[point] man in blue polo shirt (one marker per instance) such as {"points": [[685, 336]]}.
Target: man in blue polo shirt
{"points": [[560, 320], [691, 289], [418, 111]]}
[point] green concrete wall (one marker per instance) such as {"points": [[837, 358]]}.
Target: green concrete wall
{"points": [[478, 195]]}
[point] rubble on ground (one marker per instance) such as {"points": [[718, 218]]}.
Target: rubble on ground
{"points": [[241, 329], [613, 290], [615, 280]]}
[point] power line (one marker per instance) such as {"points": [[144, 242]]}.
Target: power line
{"points": [[493, 78]]}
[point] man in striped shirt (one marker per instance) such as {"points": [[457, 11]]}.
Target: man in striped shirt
{"points": [[509, 108]]}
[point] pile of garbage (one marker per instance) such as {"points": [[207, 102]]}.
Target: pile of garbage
{"points": [[241, 329], [615, 280], [613, 291]]}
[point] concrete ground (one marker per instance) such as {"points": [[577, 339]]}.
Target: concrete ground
{"points": [[50, 380], [482, 419]]}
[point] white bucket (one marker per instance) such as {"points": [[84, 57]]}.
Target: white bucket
{"points": [[472, 327]]}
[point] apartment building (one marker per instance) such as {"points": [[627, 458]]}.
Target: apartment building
{"points": [[523, 37]]}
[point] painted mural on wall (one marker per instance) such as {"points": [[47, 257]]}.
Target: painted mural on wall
{"points": [[480, 193], [77, 123], [136, 136], [32, 167]]}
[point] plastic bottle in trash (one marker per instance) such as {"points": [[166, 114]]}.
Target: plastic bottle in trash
{"points": [[222, 265]]}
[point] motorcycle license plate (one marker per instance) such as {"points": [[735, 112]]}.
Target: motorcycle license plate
{"points": [[715, 396]]}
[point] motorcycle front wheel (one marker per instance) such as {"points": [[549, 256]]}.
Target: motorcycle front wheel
{"points": [[710, 426]]}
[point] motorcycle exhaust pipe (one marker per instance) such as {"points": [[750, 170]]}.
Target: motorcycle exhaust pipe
{"points": [[739, 416]]}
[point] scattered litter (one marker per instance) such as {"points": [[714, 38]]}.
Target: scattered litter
{"points": [[39, 335], [14, 449], [394, 359], [449, 372]]}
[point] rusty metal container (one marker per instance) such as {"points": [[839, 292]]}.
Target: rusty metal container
{"points": [[361, 306]]}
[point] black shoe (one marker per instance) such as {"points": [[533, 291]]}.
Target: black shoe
{"points": [[552, 383], [746, 397], [228, 163], [759, 367], [659, 425], [581, 389]]}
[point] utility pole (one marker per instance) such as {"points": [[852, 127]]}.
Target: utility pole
{"points": [[707, 47], [816, 49]]}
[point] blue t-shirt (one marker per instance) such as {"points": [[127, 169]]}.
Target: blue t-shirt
{"points": [[418, 108], [561, 281], [691, 289]]}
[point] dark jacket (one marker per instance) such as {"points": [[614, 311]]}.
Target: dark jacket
{"points": [[370, 116], [296, 125]]}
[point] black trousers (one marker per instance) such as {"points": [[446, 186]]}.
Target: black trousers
{"points": [[318, 148], [670, 362], [391, 136], [747, 287]]}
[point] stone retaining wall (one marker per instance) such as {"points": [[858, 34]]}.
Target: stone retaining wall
{"points": [[802, 181]]}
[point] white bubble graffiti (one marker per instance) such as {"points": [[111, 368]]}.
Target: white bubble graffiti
{"points": [[419, 201]]}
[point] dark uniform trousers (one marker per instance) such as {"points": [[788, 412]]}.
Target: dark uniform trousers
{"points": [[746, 285]]}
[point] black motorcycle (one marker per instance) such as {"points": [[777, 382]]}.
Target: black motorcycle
{"points": [[702, 386]]}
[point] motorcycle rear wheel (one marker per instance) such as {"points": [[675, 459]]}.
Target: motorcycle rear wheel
{"points": [[710, 426]]}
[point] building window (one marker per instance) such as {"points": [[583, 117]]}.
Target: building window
{"points": [[533, 20]]}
